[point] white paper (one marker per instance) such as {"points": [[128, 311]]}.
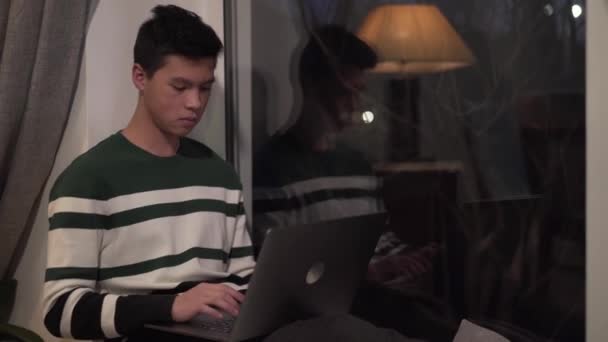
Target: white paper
{"points": [[470, 332]]}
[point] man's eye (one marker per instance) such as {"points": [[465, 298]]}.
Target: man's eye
{"points": [[179, 88]]}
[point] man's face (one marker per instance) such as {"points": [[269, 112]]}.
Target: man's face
{"points": [[176, 95], [342, 97], [353, 83]]}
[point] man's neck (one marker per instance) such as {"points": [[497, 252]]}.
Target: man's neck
{"points": [[311, 129], [143, 133]]}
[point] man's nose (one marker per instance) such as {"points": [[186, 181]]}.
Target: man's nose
{"points": [[193, 101]]}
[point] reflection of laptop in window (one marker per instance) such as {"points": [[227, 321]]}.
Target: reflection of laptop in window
{"points": [[302, 272]]}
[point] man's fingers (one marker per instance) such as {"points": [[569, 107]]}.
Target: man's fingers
{"points": [[208, 310], [221, 296], [226, 306], [236, 294], [233, 303]]}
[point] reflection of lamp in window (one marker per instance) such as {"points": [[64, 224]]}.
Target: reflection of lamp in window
{"points": [[411, 40]]}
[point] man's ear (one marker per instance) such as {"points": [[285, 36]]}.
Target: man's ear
{"points": [[139, 77]]}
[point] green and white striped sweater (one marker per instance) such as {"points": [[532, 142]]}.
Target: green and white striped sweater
{"points": [[125, 224]]}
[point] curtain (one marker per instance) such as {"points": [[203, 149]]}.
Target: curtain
{"points": [[41, 47]]}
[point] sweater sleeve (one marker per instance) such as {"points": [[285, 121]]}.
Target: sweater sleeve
{"points": [[241, 261], [73, 308]]}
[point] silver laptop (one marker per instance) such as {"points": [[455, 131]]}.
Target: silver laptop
{"points": [[302, 272]]}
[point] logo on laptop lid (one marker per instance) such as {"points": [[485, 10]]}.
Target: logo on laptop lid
{"points": [[315, 273]]}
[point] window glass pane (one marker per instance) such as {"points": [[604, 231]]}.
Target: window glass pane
{"points": [[464, 121]]}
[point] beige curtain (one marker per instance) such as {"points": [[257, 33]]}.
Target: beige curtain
{"points": [[41, 45]]}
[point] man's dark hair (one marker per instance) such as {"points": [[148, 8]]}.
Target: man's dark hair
{"points": [[173, 31], [329, 50]]}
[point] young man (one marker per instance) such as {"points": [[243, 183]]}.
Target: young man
{"points": [[148, 213]]}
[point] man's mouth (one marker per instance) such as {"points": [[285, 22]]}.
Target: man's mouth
{"points": [[188, 121]]}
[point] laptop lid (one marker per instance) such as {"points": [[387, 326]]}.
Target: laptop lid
{"points": [[302, 271], [307, 271]]}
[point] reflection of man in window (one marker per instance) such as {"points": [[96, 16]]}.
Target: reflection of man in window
{"points": [[303, 175]]}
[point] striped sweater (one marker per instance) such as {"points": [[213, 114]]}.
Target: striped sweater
{"points": [[128, 229], [293, 184]]}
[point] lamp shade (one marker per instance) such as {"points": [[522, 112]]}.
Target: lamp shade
{"points": [[413, 39]]}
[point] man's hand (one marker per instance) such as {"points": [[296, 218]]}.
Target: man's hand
{"points": [[207, 299], [407, 265]]}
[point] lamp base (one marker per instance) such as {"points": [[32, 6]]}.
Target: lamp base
{"points": [[404, 123]]}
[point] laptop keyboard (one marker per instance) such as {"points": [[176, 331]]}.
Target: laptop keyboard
{"points": [[224, 325]]}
